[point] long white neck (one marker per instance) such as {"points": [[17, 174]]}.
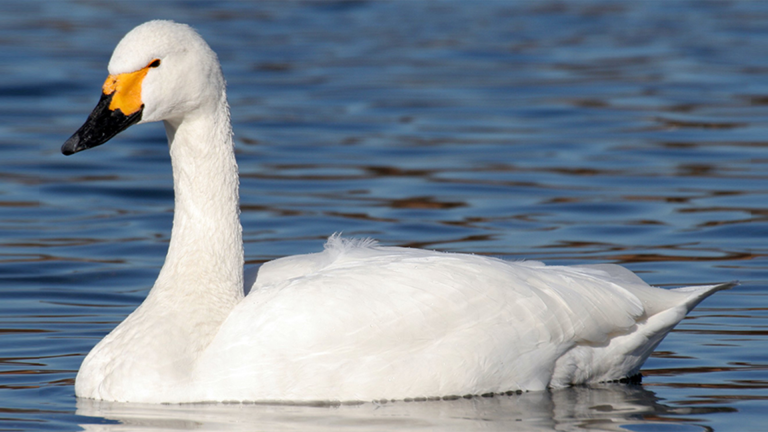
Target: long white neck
{"points": [[200, 282], [205, 256]]}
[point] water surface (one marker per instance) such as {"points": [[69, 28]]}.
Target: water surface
{"points": [[587, 132]]}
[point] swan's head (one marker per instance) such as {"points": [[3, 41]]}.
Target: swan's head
{"points": [[160, 70]]}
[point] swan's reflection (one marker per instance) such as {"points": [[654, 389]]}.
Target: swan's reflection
{"points": [[606, 407]]}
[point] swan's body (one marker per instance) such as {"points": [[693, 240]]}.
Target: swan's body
{"points": [[355, 322]]}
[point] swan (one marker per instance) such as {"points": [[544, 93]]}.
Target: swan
{"points": [[355, 322]]}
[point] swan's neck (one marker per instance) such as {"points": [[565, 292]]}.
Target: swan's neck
{"points": [[200, 282], [204, 265]]}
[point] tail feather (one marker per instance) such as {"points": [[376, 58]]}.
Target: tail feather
{"points": [[625, 354], [696, 294]]}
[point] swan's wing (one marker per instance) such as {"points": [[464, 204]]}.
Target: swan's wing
{"points": [[288, 268], [362, 321]]}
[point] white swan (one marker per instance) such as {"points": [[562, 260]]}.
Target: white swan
{"points": [[357, 321]]}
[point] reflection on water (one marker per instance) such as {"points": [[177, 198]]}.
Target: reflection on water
{"points": [[606, 407], [592, 131]]}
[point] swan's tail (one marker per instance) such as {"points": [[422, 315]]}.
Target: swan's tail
{"points": [[698, 293], [623, 356]]}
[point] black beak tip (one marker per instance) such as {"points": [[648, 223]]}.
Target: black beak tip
{"points": [[71, 146]]}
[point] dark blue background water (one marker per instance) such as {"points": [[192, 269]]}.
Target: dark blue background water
{"points": [[580, 132]]}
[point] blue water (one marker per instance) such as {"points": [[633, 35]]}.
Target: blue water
{"points": [[568, 132]]}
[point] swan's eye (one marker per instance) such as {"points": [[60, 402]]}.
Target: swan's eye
{"points": [[155, 63]]}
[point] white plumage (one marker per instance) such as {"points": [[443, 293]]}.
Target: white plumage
{"points": [[357, 321]]}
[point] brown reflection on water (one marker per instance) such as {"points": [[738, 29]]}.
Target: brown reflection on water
{"points": [[675, 124], [278, 211], [735, 367], [22, 204], [424, 202], [724, 332], [669, 355], [360, 216], [390, 171], [693, 145], [682, 252], [434, 244], [655, 257]]}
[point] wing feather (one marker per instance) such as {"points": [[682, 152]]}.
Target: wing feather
{"points": [[338, 321]]}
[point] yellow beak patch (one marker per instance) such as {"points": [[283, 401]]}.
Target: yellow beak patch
{"points": [[127, 90]]}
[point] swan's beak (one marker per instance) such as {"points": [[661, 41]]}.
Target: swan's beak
{"points": [[119, 107]]}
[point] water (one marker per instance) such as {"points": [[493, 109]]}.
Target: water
{"points": [[578, 132]]}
